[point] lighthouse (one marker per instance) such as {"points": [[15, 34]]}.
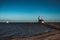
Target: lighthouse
{"points": [[7, 21], [40, 20]]}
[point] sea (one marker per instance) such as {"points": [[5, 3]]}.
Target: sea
{"points": [[21, 29]]}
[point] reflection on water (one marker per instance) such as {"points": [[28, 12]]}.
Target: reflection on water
{"points": [[19, 30]]}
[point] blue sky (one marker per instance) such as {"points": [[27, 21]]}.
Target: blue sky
{"points": [[29, 10]]}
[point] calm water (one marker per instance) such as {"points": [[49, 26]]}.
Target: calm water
{"points": [[20, 30]]}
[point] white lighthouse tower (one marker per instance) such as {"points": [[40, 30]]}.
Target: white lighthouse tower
{"points": [[7, 21], [40, 20]]}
